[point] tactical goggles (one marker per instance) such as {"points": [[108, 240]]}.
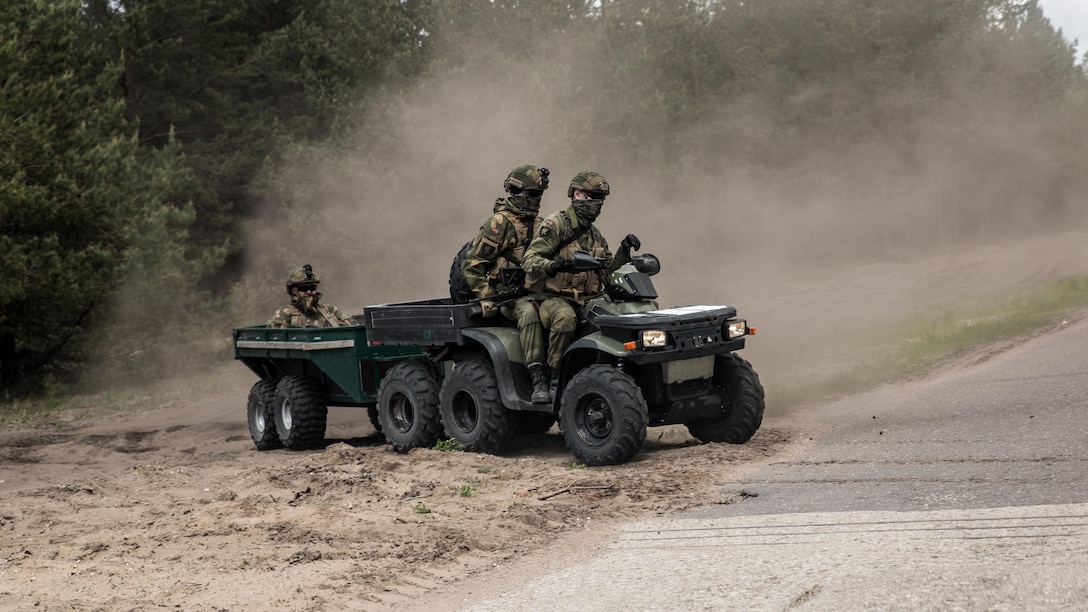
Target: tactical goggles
{"points": [[589, 195], [308, 288]]}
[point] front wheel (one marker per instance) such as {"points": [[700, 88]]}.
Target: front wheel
{"points": [[408, 405], [301, 413], [261, 414], [742, 403], [603, 416], [472, 412]]}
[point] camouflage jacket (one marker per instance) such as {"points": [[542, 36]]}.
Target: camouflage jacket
{"points": [[542, 251], [500, 244], [321, 316]]}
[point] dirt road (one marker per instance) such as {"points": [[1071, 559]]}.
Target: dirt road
{"points": [[174, 507], [169, 505]]}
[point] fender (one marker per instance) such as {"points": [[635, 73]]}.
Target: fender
{"points": [[585, 351], [598, 342], [503, 345]]}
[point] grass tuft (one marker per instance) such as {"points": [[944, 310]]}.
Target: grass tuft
{"points": [[450, 445]]}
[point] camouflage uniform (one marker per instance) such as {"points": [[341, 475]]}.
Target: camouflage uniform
{"points": [[562, 293], [306, 310], [319, 315], [500, 244]]}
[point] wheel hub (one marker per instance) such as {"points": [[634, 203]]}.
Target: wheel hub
{"points": [[597, 418], [465, 412], [403, 414], [285, 414]]}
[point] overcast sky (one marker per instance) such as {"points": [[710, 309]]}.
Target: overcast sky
{"points": [[1071, 16]]}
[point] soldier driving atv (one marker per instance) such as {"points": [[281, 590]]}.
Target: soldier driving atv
{"points": [[555, 285], [306, 309]]}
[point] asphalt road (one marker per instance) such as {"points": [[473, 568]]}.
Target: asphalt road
{"points": [[968, 491]]}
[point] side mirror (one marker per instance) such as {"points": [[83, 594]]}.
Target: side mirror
{"points": [[647, 264]]}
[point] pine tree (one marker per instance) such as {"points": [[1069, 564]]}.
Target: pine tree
{"points": [[79, 205]]}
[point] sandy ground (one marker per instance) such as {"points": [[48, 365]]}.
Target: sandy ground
{"points": [[174, 507], [170, 505]]}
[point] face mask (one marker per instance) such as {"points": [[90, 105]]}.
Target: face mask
{"points": [[588, 209], [526, 203]]}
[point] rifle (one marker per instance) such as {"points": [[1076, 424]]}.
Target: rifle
{"points": [[512, 281]]}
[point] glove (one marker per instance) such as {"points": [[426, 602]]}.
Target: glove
{"points": [[631, 243], [560, 265], [488, 309]]}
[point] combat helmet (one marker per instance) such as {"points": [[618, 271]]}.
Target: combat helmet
{"points": [[526, 178], [302, 275], [589, 182]]}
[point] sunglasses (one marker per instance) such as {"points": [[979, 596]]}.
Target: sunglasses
{"points": [[307, 288]]}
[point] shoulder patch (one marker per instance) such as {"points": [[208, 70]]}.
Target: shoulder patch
{"points": [[545, 232]]}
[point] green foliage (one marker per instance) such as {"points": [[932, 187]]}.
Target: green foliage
{"points": [[80, 205], [449, 445], [237, 82], [464, 490], [421, 508]]}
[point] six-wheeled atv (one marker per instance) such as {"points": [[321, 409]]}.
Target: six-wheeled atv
{"points": [[633, 365]]}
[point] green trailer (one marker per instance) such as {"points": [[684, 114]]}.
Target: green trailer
{"points": [[303, 371]]}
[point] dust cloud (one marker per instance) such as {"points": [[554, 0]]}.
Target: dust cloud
{"points": [[841, 234]]}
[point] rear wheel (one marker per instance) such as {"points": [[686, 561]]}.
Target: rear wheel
{"points": [[603, 416], [261, 414], [472, 412], [742, 403], [301, 413], [408, 405]]}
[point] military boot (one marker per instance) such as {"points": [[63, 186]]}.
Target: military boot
{"points": [[540, 383]]}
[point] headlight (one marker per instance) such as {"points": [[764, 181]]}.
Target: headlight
{"points": [[736, 329], [653, 338]]}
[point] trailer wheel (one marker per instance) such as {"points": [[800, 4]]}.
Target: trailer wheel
{"points": [[301, 413], [372, 412], [472, 412], [603, 416], [260, 412], [742, 403], [408, 405]]}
